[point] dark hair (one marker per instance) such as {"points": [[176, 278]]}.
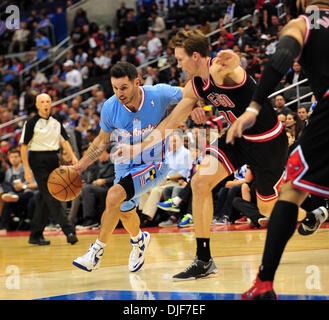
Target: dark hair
{"points": [[123, 69], [14, 150]]}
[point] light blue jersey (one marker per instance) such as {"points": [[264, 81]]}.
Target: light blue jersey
{"points": [[129, 127]]}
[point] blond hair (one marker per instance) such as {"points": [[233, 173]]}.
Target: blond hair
{"points": [[192, 41]]}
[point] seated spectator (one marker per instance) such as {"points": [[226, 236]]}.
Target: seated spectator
{"points": [[294, 124], [80, 18], [158, 26], [295, 75], [163, 10], [83, 126], [279, 105], [43, 45], [95, 125], [251, 31], [20, 39], [100, 99], [302, 113], [88, 176], [18, 193], [81, 56], [247, 206], [241, 39], [178, 199], [102, 62], [93, 195], [282, 118], [154, 46], [291, 139], [274, 26], [128, 28], [179, 161], [253, 66], [121, 12], [223, 211], [142, 20], [226, 38], [73, 78]]}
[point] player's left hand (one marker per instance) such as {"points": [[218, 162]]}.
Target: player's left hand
{"points": [[245, 121], [226, 61]]}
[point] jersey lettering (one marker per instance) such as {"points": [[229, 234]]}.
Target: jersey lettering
{"points": [[220, 100]]}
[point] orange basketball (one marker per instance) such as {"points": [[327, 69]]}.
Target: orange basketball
{"points": [[64, 184]]}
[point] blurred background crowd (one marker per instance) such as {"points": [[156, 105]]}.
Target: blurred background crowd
{"points": [[71, 61]]}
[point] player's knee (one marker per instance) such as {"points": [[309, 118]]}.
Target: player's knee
{"points": [[200, 185], [266, 207], [115, 196]]}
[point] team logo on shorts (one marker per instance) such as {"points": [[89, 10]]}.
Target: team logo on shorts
{"points": [[151, 175]]}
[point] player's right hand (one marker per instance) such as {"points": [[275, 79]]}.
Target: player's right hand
{"points": [[198, 115], [245, 121]]}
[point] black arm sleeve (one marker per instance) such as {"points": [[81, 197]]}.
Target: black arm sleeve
{"points": [[287, 50], [64, 133], [29, 129]]}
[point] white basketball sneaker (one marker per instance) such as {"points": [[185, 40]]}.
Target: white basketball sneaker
{"points": [[137, 254], [91, 260]]}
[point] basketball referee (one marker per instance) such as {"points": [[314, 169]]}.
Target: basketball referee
{"points": [[42, 136]]}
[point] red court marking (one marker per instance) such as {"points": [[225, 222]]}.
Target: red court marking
{"points": [[214, 228]]}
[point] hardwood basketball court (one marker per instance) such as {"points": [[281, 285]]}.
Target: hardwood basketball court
{"points": [[46, 272]]}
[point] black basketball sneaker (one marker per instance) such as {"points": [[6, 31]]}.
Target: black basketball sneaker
{"points": [[313, 221], [198, 269]]}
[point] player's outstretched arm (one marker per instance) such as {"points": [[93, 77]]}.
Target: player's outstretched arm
{"points": [[226, 66], [164, 128], [288, 49], [101, 142]]}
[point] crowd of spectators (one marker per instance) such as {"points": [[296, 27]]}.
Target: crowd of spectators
{"points": [[140, 35]]}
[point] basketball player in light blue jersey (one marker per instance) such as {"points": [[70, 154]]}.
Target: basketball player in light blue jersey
{"points": [[128, 116]]}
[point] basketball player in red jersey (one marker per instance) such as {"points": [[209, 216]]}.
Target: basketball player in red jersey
{"points": [[223, 83], [307, 167]]}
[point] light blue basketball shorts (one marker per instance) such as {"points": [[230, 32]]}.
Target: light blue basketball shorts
{"points": [[139, 180]]}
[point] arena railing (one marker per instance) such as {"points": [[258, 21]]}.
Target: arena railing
{"points": [[298, 96], [53, 53]]}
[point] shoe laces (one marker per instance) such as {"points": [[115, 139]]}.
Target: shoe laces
{"points": [[92, 253], [191, 266], [137, 247]]}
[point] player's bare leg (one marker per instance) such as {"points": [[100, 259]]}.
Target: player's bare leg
{"points": [[110, 218], [210, 173]]}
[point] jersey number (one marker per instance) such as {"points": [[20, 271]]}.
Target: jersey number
{"points": [[228, 115]]}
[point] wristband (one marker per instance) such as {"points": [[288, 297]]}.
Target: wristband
{"points": [[256, 112]]}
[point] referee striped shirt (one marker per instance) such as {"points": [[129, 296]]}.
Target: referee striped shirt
{"points": [[42, 134]]}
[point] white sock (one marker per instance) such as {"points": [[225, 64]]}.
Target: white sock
{"points": [[100, 244], [136, 238], [177, 201]]}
